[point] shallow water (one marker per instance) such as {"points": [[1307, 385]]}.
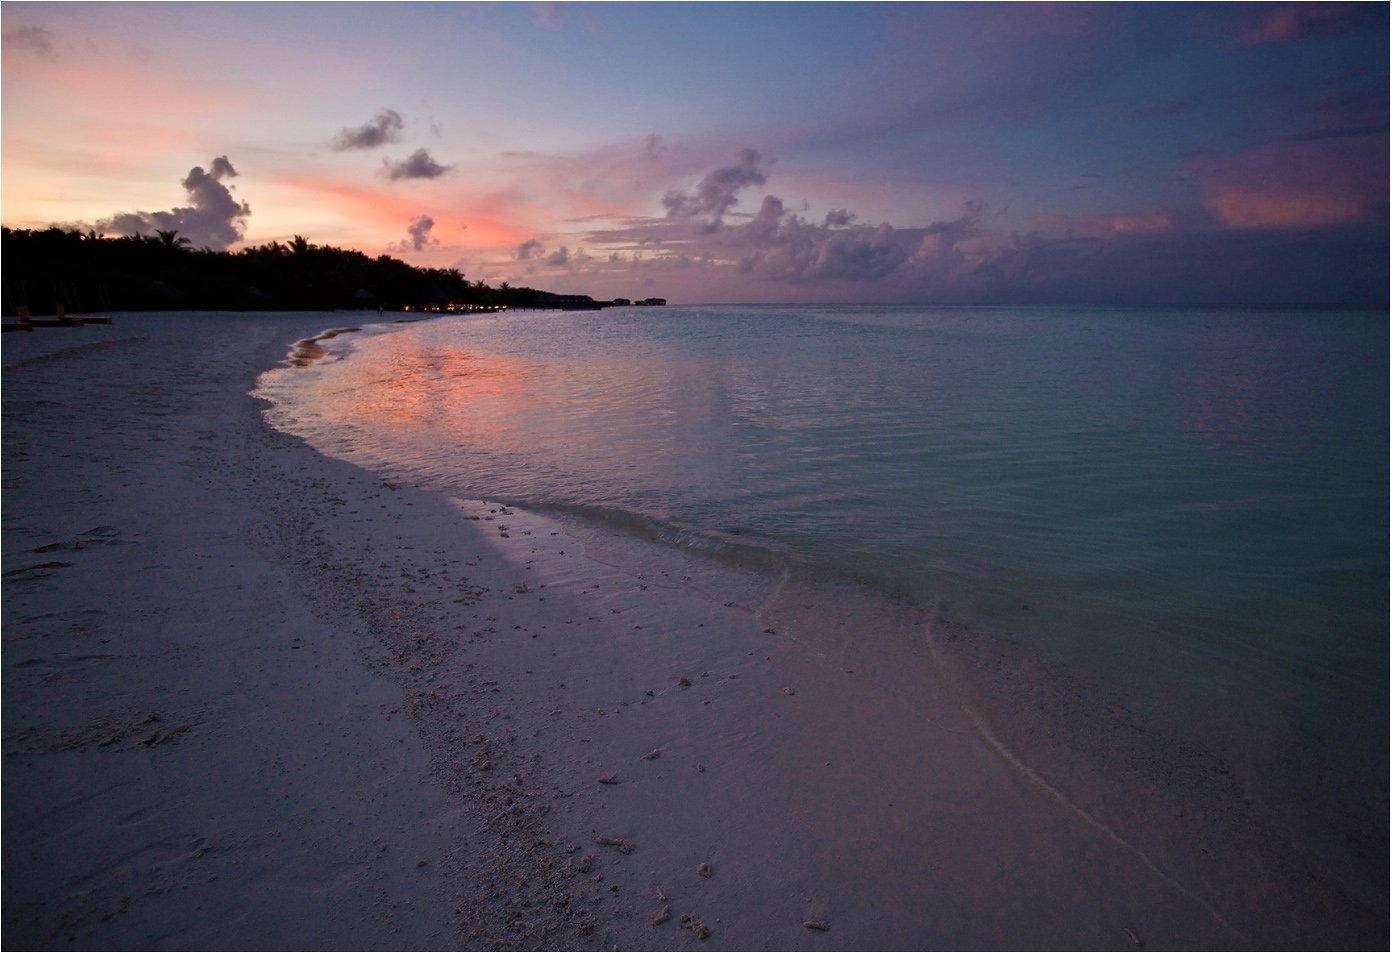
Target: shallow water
{"points": [[1185, 510]]}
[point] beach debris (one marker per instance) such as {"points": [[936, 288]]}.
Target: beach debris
{"points": [[522, 588], [705, 870], [789, 691], [683, 683], [696, 926], [662, 915], [1132, 935], [608, 780], [769, 631], [624, 847], [652, 755], [661, 895], [816, 925]]}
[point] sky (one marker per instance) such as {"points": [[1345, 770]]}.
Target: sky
{"points": [[1164, 154]]}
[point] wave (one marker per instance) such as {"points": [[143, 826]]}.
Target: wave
{"points": [[720, 546]]}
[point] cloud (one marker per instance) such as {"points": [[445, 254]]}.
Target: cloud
{"points": [[385, 127], [532, 248], [1300, 21], [418, 236], [718, 192], [779, 245], [1185, 266], [776, 244], [419, 165], [550, 15], [1291, 221], [213, 218], [35, 40], [1301, 182]]}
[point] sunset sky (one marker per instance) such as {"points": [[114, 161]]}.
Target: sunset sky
{"points": [[1167, 153]]}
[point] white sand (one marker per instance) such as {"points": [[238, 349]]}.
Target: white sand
{"points": [[384, 719]]}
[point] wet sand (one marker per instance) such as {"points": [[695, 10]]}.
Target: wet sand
{"points": [[258, 698]]}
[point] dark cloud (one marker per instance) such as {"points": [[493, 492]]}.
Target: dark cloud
{"points": [[805, 253], [385, 127], [783, 246], [213, 217], [1186, 266], [529, 249], [418, 236], [35, 40], [718, 192], [419, 165], [221, 168], [560, 256]]}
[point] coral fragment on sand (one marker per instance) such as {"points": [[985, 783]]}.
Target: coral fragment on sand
{"points": [[696, 926], [624, 847]]}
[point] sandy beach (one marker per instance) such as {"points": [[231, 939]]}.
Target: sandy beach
{"points": [[257, 698]]}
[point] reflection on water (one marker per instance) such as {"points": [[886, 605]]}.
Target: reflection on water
{"points": [[1178, 518], [1190, 496], [1142, 479], [1157, 534]]}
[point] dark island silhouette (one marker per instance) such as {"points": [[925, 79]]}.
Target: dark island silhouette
{"points": [[66, 271]]}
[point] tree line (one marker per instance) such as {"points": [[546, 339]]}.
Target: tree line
{"points": [[84, 271]]}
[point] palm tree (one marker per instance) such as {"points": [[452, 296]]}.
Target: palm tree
{"points": [[171, 239]]}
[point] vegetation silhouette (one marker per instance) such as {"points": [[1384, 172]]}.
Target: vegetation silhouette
{"points": [[84, 271]]}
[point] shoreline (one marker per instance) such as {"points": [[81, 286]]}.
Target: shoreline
{"points": [[1200, 790], [391, 719]]}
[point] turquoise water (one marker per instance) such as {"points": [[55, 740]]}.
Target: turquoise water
{"points": [[1193, 501]]}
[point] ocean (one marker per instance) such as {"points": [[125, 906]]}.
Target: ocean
{"points": [[1148, 546]]}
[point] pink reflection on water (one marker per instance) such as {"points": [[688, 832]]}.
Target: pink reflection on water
{"points": [[447, 392]]}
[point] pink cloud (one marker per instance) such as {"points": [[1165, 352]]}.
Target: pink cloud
{"points": [[1298, 21], [1120, 223], [1298, 184]]}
